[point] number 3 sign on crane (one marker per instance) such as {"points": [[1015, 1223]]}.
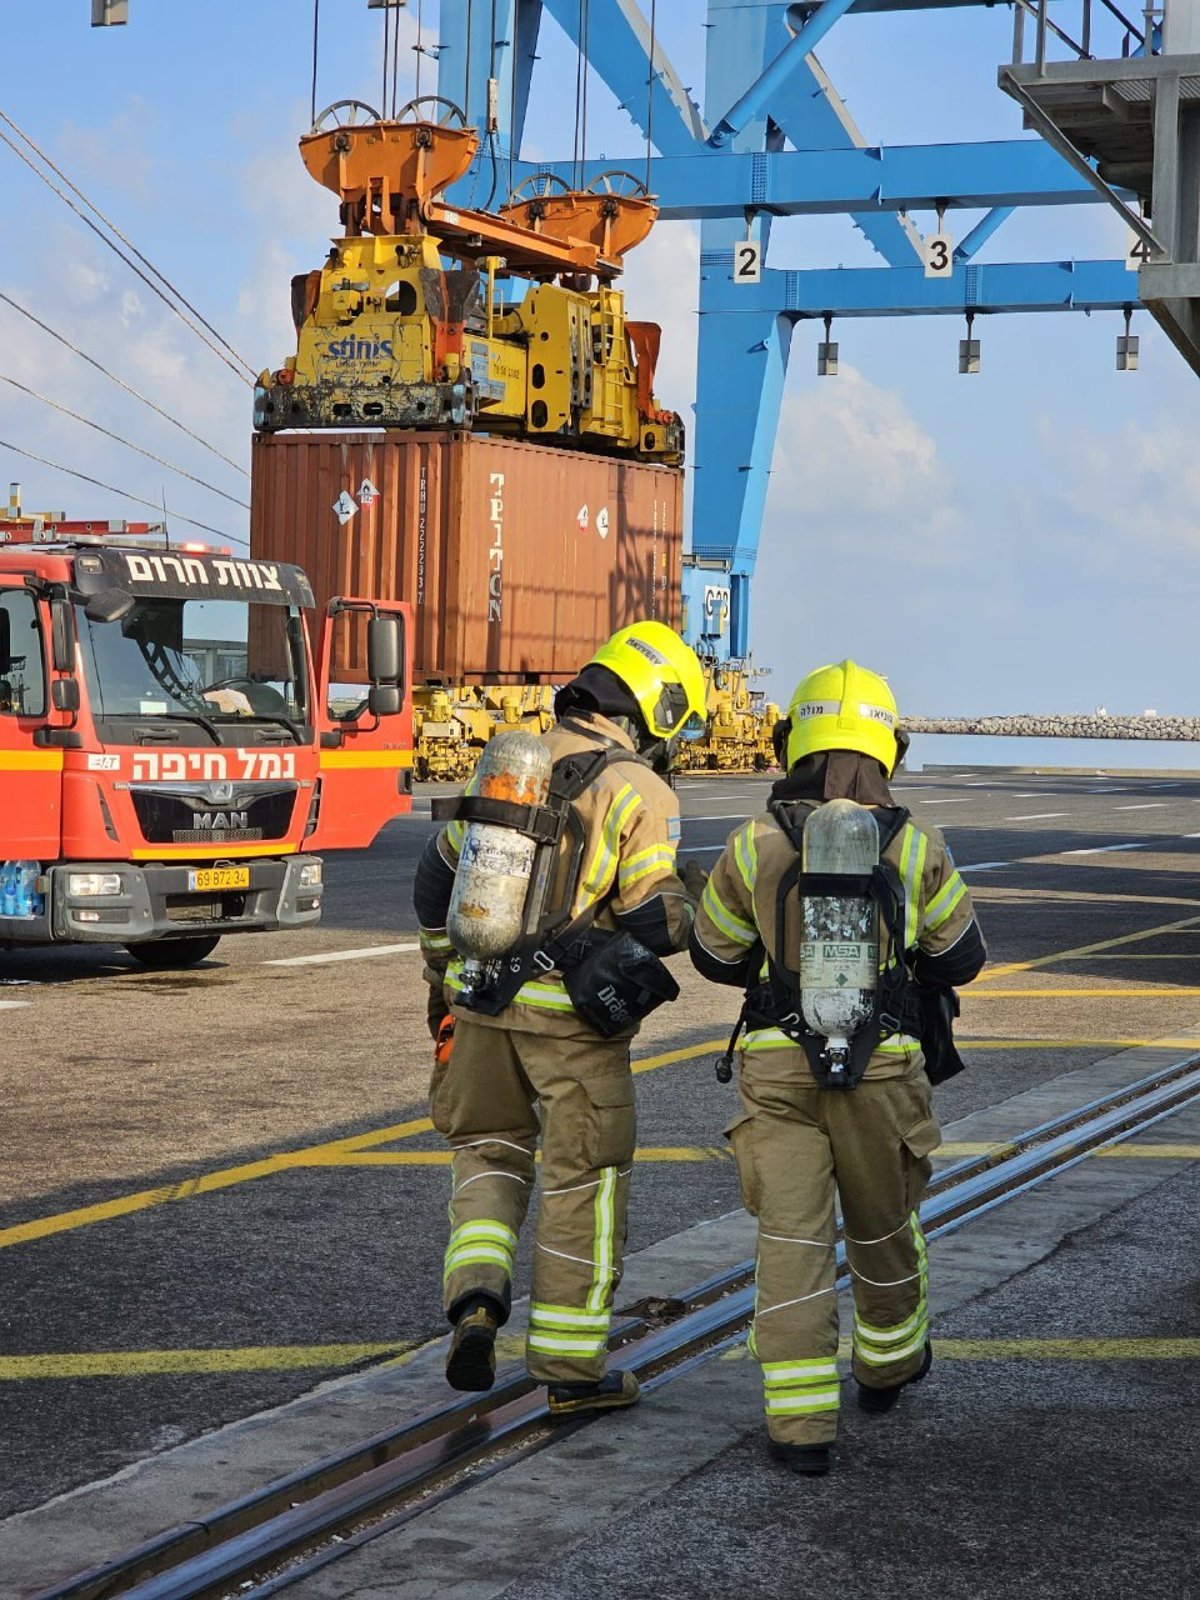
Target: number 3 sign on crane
{"points": [[939, 255]]}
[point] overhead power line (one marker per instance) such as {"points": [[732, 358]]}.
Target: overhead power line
{"points": [[129, 444], [120, 382], [218, 345], [124, 494]]}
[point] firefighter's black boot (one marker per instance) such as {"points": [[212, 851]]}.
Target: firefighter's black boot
{"points": [[809, 1460], [615, 1389], [471, 1363], [877, 1401]]}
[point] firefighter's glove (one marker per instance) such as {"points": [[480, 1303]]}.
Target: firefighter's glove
{"points": [[444, 1043], [436, 1011], [695, 877]]}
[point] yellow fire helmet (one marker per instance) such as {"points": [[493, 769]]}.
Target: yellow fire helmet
{"points": [[843, 707], [662, 674]]}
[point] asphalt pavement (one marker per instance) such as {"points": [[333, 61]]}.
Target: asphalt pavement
{"points": [[219, 1188]]}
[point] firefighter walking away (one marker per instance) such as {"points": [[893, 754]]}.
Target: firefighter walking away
{"points": [[847, 924], [546, 905]]}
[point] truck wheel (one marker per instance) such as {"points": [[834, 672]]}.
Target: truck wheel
{"points": [[160, 955]]}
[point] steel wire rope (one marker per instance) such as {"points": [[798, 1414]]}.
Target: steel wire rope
{"points": [[491, 130], [129, 444], [586, 8], [117, 251], [576, 171], [124, 494], [387, 12], [514, 65], [316, 35], [650, 90], [419, 47], [395, 69], [120, 382]]}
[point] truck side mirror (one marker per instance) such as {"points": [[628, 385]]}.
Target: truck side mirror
{"points": [[62, 638], [110, 605], [64, 694], [385, 699], [385, 653], [5, 643]]}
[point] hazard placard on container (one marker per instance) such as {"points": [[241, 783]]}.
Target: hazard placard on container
{"points": [[345, 507], [368, 493], [602, 522]]}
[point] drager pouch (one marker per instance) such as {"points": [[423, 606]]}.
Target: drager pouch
{"points": [[618, 984]]}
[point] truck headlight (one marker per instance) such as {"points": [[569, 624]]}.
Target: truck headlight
{"points": [[81, 884], [310, 874]]}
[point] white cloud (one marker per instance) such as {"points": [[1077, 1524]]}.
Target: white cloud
{"points": [[854, 456]]}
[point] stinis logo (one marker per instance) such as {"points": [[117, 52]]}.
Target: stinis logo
{"points": [[360, 349], [496, 551]]}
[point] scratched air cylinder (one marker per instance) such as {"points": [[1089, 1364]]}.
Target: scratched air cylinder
{"points": [[839, 951], [491, 884]]}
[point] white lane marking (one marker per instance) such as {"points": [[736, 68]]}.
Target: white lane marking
{"points": [[13, 1005], [1037, 816], [961, 801], [984, 866], [724, 816], [343, 955], [1144, 805], [1104, 849], [699, 849]]}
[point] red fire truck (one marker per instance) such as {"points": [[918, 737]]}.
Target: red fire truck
{"points": [[169, 757]]}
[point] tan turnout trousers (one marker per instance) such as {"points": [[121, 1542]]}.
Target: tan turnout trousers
{"points": [[795, 1144], [483, 1103]]}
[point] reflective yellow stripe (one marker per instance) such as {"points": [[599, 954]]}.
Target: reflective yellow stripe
{"points": [[788, 1372], [606, 1224], [549, 996], [794, 1404], [732, 926], [433, 941], [599, 876], [912, 868], [544, 1316], [659, 858], [943, 903], [745, 853], [558, 1344], [475, 1255], [768, 1039], [498, 1231]]}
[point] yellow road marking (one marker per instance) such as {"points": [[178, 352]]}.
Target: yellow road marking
{"points": [[1165, 991], [1008, 968], [159, 1363], [1068, 1349], [443, 1158], [69, 1366], [284, 1161]]}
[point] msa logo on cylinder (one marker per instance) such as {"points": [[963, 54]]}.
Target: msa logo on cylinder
{"points": [[214, 820]]}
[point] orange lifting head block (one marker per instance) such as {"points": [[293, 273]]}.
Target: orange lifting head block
{"points": [[610, 223], [385, 172]]}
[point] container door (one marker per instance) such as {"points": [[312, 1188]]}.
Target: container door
{"points": [[30, 775], [366, 758]]}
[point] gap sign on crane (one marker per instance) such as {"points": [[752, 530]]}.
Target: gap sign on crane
{"points": [[775, 140]]}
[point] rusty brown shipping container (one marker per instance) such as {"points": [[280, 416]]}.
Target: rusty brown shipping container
{"points": [[517, 559]]}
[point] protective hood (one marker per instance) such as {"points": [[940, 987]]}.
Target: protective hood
{"points": [[598, 689], [836, 775]]}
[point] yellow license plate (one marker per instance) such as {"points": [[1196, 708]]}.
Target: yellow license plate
{"points": [[205, 879]]}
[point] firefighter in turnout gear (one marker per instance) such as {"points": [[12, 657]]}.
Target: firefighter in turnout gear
{"points": [[867, 1138], [531, 1053]]}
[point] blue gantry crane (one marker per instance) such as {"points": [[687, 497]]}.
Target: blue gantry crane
{"points": [[774, 139]]}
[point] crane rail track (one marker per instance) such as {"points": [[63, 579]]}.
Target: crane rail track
{"points": [[265, 1541]]}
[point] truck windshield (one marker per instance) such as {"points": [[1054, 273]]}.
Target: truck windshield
{"points": [[214, 660]]}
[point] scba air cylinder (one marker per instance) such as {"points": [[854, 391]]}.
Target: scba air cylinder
{"points": [[839, 952], [491, 884]]}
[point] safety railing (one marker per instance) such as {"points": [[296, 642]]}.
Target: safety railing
{"points": [[1098, 30]]}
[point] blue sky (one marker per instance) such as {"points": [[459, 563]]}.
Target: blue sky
{"points": [[1023, 539]]}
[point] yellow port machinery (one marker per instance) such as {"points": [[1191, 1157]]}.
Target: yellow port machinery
{"points": [[452, 725], [740, 724], [526, 335]]}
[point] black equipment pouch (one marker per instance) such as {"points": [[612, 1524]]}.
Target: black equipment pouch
{"points": [[618, 984], [939, 1008]]}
